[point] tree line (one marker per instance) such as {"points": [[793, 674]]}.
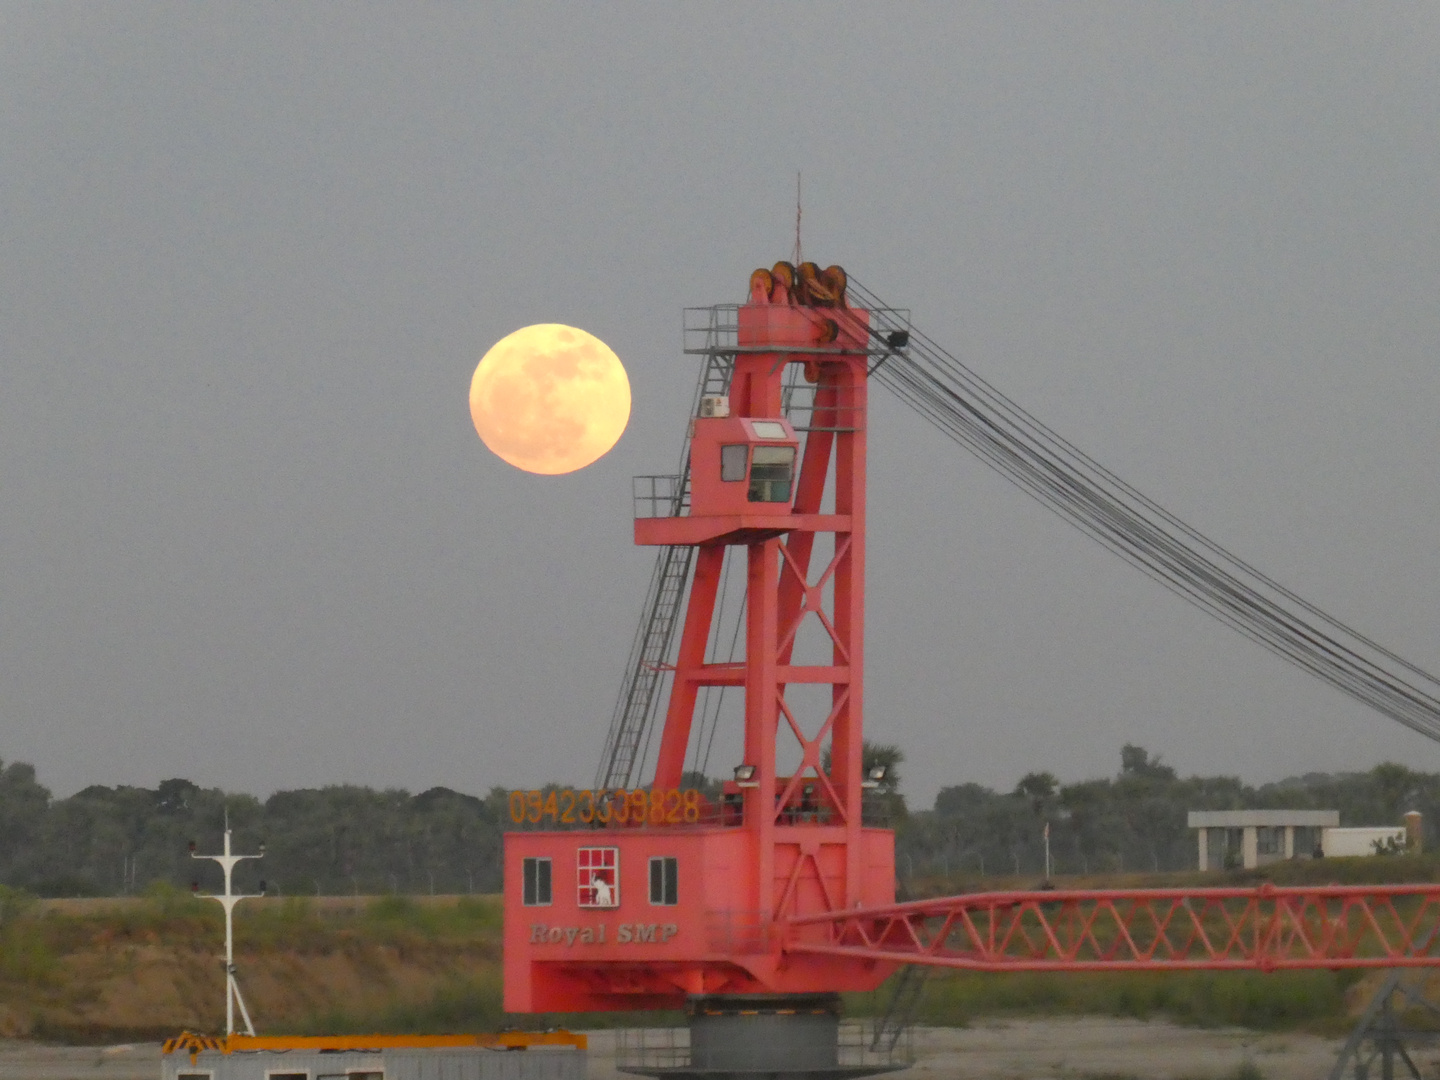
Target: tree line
{"points": [[348, 839], [336, 840], [1134, 821]]}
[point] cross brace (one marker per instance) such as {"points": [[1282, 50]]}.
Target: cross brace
{"points": [[1266, 928]]}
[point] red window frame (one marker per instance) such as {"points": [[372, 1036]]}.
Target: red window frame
{"points": [[598, 872]]}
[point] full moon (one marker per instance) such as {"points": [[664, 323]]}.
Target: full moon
{"points": [[550, 399]]}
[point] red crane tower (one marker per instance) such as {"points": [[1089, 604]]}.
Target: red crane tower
{"points": [[777, 845], [754, 910]]}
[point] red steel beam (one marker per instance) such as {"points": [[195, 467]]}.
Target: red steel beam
{"points": [[1268, 928]]}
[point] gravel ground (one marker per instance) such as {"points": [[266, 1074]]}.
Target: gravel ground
{"points": [[33, 1061], [1009, 1050], [1105, 1047], [1090, 1047]]}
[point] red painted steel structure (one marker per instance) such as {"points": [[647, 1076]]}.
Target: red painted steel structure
{"points": [[1267, 928], [785, 890], [796, 844]]}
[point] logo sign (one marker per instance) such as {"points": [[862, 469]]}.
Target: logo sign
{"points": [[625, 934]]}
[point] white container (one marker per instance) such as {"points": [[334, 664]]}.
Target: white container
{"points": [[1338, 843]]}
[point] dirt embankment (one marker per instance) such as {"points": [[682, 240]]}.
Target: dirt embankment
{"points": [[103, 971], [109, 971]]}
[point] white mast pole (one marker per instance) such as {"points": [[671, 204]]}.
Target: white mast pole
{"points": [[228, 900]]}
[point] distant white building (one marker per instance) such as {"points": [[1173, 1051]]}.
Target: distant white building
{"points": [[1251, 838]]}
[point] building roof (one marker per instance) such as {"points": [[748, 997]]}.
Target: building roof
{"points": [[193, 1044], [1241, 819]]}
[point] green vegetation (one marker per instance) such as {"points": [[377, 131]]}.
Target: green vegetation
{"points": [[110, 969], [26, 959], [86, 970], [1280, 1001], [1134, 823], [346, 840], [474, 1004], [324, 955], [339, 840]]}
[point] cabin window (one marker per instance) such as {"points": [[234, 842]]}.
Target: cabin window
{"points": [[278, 1075], [768, 429], [732, 461], [194, 1075], [770, 473], [665, 881], [598, 877], [537, 882]]}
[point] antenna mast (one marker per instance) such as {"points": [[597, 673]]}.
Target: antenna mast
{"points": [[228, 899], [797, 260]]}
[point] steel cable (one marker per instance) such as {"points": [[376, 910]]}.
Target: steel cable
{"points": [[1052, 470]]}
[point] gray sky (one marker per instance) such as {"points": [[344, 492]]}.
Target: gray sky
{"points": [[252, 254]]}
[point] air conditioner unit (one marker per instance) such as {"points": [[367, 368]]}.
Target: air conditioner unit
{"points": [[718, 406]]}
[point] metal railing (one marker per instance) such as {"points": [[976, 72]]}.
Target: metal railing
{"points": [[798, 405], [658, 496], [715, 330]]}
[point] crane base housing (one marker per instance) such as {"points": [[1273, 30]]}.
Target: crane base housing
{"points": [[746, 1037], [636, 918]]}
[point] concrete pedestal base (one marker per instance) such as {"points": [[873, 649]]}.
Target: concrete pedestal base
{"points": [[750, 1037]]}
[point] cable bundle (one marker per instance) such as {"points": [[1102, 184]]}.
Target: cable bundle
{"points": [[1097, 502]]}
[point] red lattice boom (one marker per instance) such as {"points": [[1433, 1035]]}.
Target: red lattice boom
{"points": [[1267, 928]]}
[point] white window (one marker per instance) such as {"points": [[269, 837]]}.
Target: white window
{"points": [[537, 882], [733, 460], [664, 881], [598, 877]]}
